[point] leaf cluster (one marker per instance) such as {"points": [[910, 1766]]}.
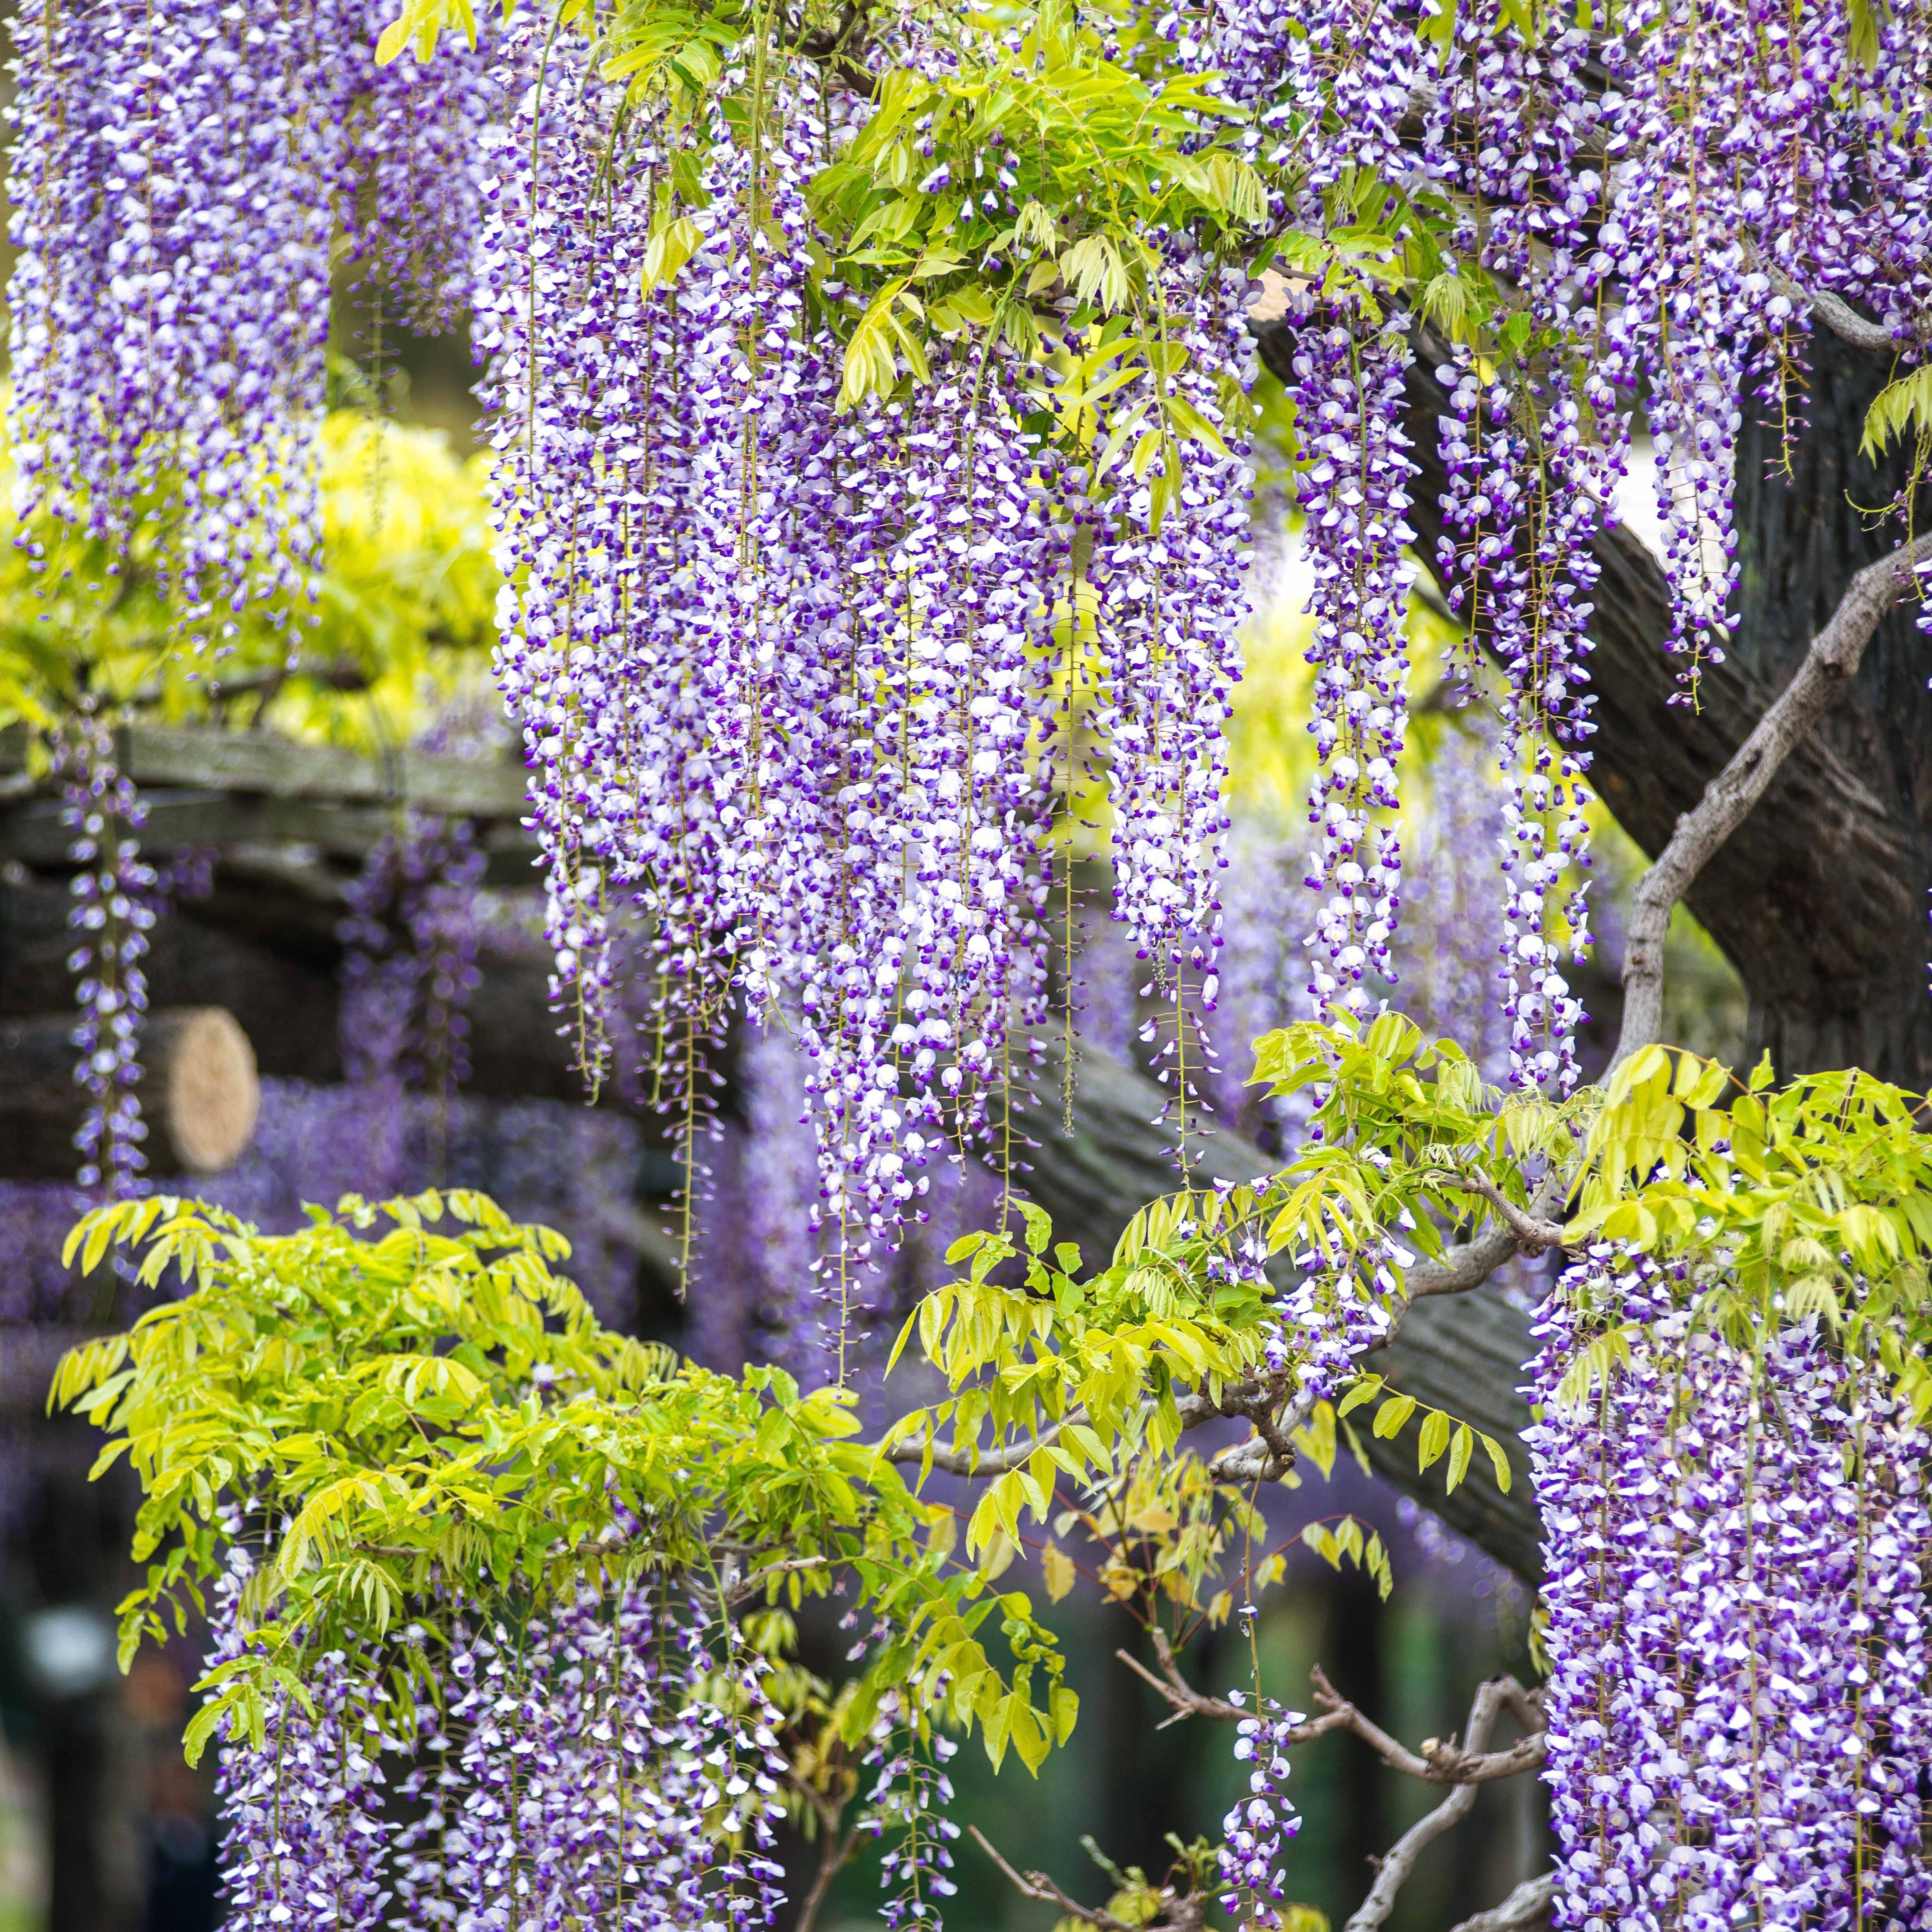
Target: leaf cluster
{"points": [[1090, 1370], [412, 1406], [1814, 1199]]}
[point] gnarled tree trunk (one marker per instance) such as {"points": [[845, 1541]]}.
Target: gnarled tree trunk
{"points": [[1857, 996]]}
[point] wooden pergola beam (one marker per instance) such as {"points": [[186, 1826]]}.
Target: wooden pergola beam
{"points": [[250, 796], [264, 764]]}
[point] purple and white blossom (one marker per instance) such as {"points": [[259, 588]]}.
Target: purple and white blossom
{"points": [[1737, 1540], [1250, 1853]]}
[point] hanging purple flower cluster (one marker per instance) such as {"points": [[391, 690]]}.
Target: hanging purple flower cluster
{"points": [[777, 665], [409, 967], [1446, 951], [780, 1205], [170, 309], [1520, 555], [1166, 568], [1158, 558], [1353, 489], [906, 1807], [613, 688], [591, 1764], [113, 911], [303, 1811], [1250, 1854], [1331, 1317], [1507, 131], [407, 195], [178, 175], [1738, 1540], [1625, 215], [1503, 120], [1763, 159]]}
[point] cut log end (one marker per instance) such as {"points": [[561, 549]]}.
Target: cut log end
{"points": [[210, 1095], [199, 1094]]}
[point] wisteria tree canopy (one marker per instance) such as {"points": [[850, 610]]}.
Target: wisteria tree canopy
{"points": [[876, 421]]}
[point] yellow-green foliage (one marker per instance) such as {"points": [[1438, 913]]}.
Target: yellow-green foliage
{"points": [[412, 1395], [1810, 1199], [403, 610]]}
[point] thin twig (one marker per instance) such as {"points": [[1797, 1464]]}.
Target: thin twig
{"points": [[1400, 1861], [1037, 1885], [1443, 1761], [1526, 1906], [836, 1855], [743, 1589], [1828, 667], [1187, 1702]]}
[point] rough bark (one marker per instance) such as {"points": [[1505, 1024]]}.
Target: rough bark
{"points": [[271, 808], [261, 764], [198, 1092], [1801, 541]]}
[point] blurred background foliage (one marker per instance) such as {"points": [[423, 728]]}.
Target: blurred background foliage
{"points": [[401, 618]]}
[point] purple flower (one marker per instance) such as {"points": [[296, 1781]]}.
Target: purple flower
{"points": [[1737, 1540]]}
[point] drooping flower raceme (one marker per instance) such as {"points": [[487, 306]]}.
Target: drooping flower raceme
{"points": [[1250, 1854], [593, 1764], [409, 958], [170, 317], [907, 1808], [303, 1836], [1737, 1542], [179, 176], [1354, 491], [114, 910]]}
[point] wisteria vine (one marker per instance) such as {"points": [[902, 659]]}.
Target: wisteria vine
{"points": [[1738, 1542], [860, 506]]}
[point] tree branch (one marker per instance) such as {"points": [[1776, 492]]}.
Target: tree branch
{"points": [[1827, 666], [1461, 1268], [1037, 1885], [1526, 1906], [1532, 1233], [1467, 1266], [1439, 1761], [1400, 1861], [1267, 1455], [972, 1462], [1838, 316], [747, 1587], [1188, 1703]]}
